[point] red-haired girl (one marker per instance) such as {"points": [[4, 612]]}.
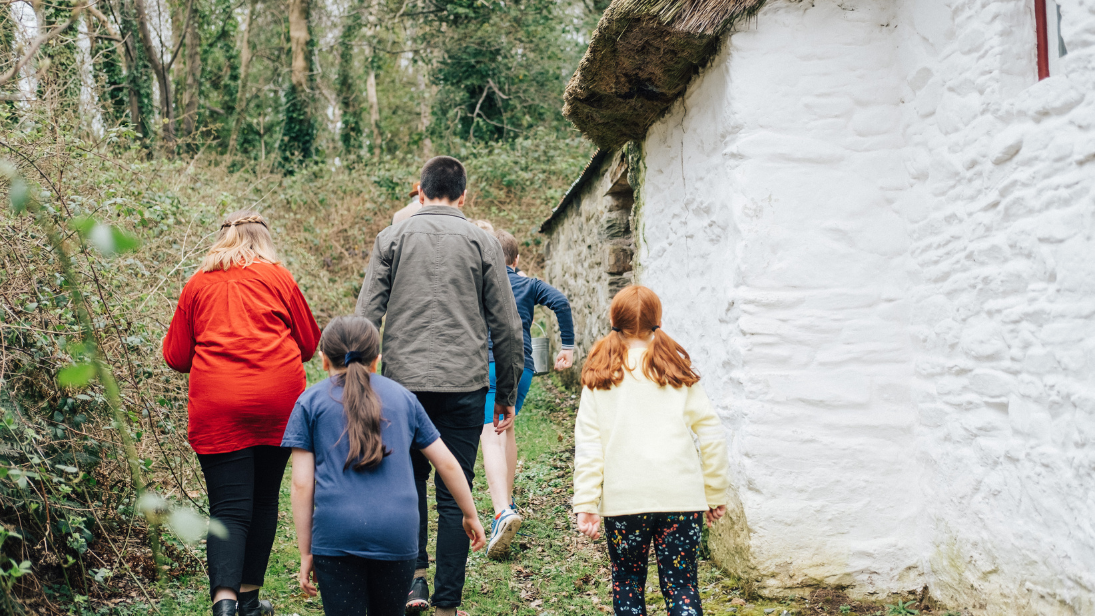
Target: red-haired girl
{"points": [[636, 462]]}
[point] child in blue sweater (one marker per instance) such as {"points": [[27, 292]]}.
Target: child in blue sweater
{"points": [[500, 450], [354, 501]]}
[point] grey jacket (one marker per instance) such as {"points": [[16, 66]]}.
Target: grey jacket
{"points": [[442, 283]]}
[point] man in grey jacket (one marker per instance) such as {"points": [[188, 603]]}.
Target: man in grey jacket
{"points": [[442, 283]]}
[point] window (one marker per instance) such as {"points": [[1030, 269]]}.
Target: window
{"points": [[1051, 45]]}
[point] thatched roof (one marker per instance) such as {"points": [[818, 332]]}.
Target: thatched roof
{"points": [[640, 59]]}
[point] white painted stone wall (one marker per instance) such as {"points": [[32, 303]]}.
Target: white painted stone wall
{"points": [[872, 228]]}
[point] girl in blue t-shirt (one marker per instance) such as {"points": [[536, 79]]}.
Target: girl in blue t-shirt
{"points": [[354, 501]]}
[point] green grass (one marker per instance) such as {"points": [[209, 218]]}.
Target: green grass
{"points": [[552, 571]]}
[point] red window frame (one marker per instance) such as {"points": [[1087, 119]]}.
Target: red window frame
{"points": [[1041, 27]]}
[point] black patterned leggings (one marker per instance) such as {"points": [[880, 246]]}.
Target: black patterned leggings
{"points": [[676, 539]]}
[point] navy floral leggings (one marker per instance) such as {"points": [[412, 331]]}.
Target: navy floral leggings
{"points": [[676, 539]]}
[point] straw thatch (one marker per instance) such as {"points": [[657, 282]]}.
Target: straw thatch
{"points": [[640, 59]]}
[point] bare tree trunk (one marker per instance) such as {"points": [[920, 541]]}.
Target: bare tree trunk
{"points": [[193, 74], [167, 108], [373, 33], [374, 111], [245, 67], [298, 39], [424, 114]]}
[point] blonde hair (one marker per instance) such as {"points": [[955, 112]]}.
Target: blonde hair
{"points": [[484, 225], [243, 239]]}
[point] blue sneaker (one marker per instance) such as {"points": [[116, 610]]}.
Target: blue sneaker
{"points": [[502, 530]]}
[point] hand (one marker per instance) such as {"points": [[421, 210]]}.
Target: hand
{"points": [[564, 359], [714, 514], [590, 525], [307, 575], [506, 413], [475, 532]]}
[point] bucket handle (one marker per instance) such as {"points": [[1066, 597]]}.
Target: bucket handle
{"points": [[542, 332]]}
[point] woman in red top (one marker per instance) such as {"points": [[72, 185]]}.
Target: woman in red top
{"points": [[242, 330]]}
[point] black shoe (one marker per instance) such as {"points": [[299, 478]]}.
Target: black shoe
{"points": [[224, 607], [251, 606], [418, 600]]}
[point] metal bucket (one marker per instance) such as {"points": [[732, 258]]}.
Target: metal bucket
{"points": [[541, 353]]}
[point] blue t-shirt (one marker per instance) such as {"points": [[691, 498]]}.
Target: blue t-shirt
{"points": [[371, 513]]}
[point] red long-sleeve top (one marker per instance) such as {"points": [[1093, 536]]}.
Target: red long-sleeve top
{"points": [[243, 335]]}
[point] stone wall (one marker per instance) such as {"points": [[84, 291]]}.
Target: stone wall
{"points": [[872, 227], [589, 250]]}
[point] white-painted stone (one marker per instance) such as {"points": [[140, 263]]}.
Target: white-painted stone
{"points": [[872, 228]]}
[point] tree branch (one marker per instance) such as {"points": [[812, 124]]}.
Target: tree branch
{"points": [[97, 14], [39, 41], [490, 82], [471, 132]]}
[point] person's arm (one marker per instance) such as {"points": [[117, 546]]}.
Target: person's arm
{"points": [[589, 466], [547, 295], [450, 472], [504, 324], [702, 419], [376, 288], [302, 497], [302, 324], [179, 343]]}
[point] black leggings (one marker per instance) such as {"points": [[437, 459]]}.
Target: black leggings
{"points": [[676, 539], [354, 586], [243, 489]]}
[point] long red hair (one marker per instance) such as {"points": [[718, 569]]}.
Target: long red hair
{"points": [[636, 312]]}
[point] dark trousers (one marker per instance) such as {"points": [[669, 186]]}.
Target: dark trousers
{"points": [[459, 419], [243, 489], [354, 586], [676, 538]]}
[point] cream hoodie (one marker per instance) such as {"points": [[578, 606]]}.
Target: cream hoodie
{"points": [[634, 450]]}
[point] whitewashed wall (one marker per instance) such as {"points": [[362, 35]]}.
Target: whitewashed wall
{"points": [[872, 227]]}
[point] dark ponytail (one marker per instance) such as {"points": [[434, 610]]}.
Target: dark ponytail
{"points": [[353, 343]]}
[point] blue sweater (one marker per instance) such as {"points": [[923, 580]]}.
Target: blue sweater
{"points": [[530, 293]]}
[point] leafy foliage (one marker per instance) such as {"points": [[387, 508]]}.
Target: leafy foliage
{"points": [[902, 608], [220, 61], [111, 80], [349, 91], [298, 134], [503, 67], [105, 226], [138, 73]]}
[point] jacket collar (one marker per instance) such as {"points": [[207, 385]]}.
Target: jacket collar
{"points": [[440, 210]]}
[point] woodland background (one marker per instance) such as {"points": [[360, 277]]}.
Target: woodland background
{"points": [[127, 129]]}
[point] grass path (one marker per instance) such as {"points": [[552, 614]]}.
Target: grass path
{"points": [[552, 571]]}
